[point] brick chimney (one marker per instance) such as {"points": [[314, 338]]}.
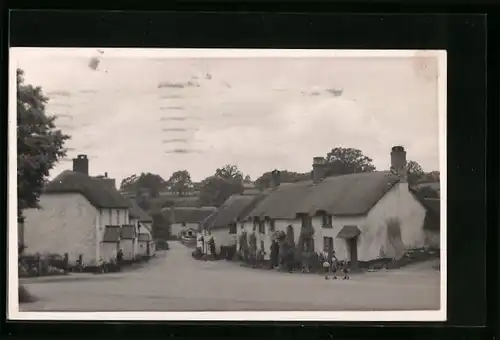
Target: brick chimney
{"points": [[81, 164], [398, 162], [275, 178], [319, 169]]}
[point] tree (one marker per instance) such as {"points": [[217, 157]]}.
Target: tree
{"points": [[348, 161], [433, 176], [39, 144], [247, 179], [216, 190], [180, 182], [229, 171], [414, 171], [148, 183], [265, 180]]}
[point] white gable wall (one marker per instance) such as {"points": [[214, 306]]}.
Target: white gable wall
{"points": [[65, 224], [373, 242], [176, 228]]}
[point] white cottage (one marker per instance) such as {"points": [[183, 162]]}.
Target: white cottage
{"points": [[142, 223], [78, 216], [222, 224], [185, 219], [362, 216]]}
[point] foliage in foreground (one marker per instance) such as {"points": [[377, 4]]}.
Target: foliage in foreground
{"points": [[39, 144]]}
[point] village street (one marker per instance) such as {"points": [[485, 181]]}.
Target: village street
{"points": [[174, 281]]}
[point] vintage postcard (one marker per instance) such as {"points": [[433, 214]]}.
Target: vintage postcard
{"points": [[202, 184]]}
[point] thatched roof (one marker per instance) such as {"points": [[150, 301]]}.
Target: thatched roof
{"points": [[136, 212], [234, 209], [187, 214], [346, 195], [100, 196]]}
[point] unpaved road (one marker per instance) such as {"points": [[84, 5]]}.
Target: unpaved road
{"points": [[176, 282]]}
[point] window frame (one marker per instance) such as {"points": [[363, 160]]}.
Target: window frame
{"points": [[326, 243], [327, 221], [262, 227]]}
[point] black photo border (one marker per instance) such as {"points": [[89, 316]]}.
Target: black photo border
{"points": [[464, 38]]}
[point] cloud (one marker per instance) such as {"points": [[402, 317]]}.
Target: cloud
{"points": [[251, 112]]}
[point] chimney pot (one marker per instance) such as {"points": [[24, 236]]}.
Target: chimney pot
{"points": [[398, 161], [276, 178], [319, 169], [81, 164]]}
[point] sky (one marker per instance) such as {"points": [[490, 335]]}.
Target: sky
{"points": [[151, 113]]}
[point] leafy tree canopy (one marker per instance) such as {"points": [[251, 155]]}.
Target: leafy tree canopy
{"points": [[414, 171], [227, 181], [149, 183], [39, 143], [348, 161], [229, 171], [265, 180], [180, 182]]}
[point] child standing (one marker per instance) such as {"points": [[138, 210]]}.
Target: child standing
{"points": [[345, 269], [326, 268], [334, 266]]}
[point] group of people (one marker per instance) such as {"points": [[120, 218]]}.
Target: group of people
{"points": [[206, 243], [333, 265]]}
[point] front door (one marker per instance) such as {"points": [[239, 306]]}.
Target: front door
{"points": [[353, 252]]}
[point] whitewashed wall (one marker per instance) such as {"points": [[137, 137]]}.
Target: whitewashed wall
{"points": [[108, 251], [128, 248], [176, 228], [373, 242], [65, 224]]}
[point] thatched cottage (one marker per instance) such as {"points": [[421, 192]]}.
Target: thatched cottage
{"points": [[143, 245], [185, 219], [223, 223], [361, 216], [79, 216]]}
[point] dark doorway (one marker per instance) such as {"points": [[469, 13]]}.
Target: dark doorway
{"points": [[353, 251]]}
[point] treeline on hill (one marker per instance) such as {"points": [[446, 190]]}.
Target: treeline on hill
{"points": [[154, 193]]}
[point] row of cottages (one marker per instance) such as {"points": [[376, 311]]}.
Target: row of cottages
{"points": [[143, 245], [82, 216], [223, 223], [361, 216], [185, 220]]}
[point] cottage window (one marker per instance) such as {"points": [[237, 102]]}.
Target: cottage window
{"points": [[327, 244], [262, 227], [255, 223], [118, 217], [232, 229], [327, 220], [272, 226]]}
